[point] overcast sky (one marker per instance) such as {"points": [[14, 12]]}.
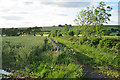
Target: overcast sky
{"points": [[30, 13]]}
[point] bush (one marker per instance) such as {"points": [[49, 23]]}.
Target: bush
{"points": [[95, 41], [82, 40], [107, 32], [77, 32], [54, 33], [118, 34], [117, 45], [71, 33], [59, 34], [105, 42]]}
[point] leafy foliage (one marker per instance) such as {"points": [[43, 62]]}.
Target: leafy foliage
{"points": [[109, 43], [117, 46], [93, 16], [77, 32], [91, 20], [19, 31], [65, 29], [95, 57], [71, 33], [55, 33]]}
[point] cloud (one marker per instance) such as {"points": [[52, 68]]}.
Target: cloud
{"points": [[62, 14], [4, 10], [19, 12], [11, 17], [68, 4], [28, 3]]}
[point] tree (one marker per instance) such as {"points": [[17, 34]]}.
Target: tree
{"points": [[92, 19], [37, 29], [12, 32], [40, 31], [28, 30], [3, 31], [21, 32], [65, 29]]}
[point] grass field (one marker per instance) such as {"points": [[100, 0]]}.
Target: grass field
{"points": [[117, 37], [107, 27], [34, 56], [98, 58], [57, 28]]}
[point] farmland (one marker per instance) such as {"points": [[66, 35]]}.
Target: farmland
{"points": [[34, 57], [88, 50]]}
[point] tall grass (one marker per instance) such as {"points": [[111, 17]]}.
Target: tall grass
{"points": [[18, 49], [35, 57], [94, 57]]}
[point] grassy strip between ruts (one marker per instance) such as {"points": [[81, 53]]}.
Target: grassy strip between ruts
{"points": [[96, 58], [34, 57]]}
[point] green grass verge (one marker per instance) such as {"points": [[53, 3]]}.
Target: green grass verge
{"points": [[95, 57]]}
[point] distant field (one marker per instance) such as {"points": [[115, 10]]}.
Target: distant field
{"points": [[58, 28], [108, 27], [117, 37], [50, 28], [112, 26]]}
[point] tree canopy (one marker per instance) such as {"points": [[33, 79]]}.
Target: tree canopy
{"points": [[91, 20]]}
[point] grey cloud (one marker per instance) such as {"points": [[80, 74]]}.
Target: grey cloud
{"points": [[20, 12], [14, 0], [11, 17], [63, 14], [28, 3], [49, 3], [68, 4], [5, 10]]}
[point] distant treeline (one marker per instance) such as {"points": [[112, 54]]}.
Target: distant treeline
{"points": [[21, 31], [108, 29]]}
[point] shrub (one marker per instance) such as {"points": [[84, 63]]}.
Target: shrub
{"points": [[54, 33], [117, 45], [82, 40], [95, 41], [59, 34], [77, 32], [107, 32], [71, 33], [105, 42], [118, 34], [49, 34]]}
